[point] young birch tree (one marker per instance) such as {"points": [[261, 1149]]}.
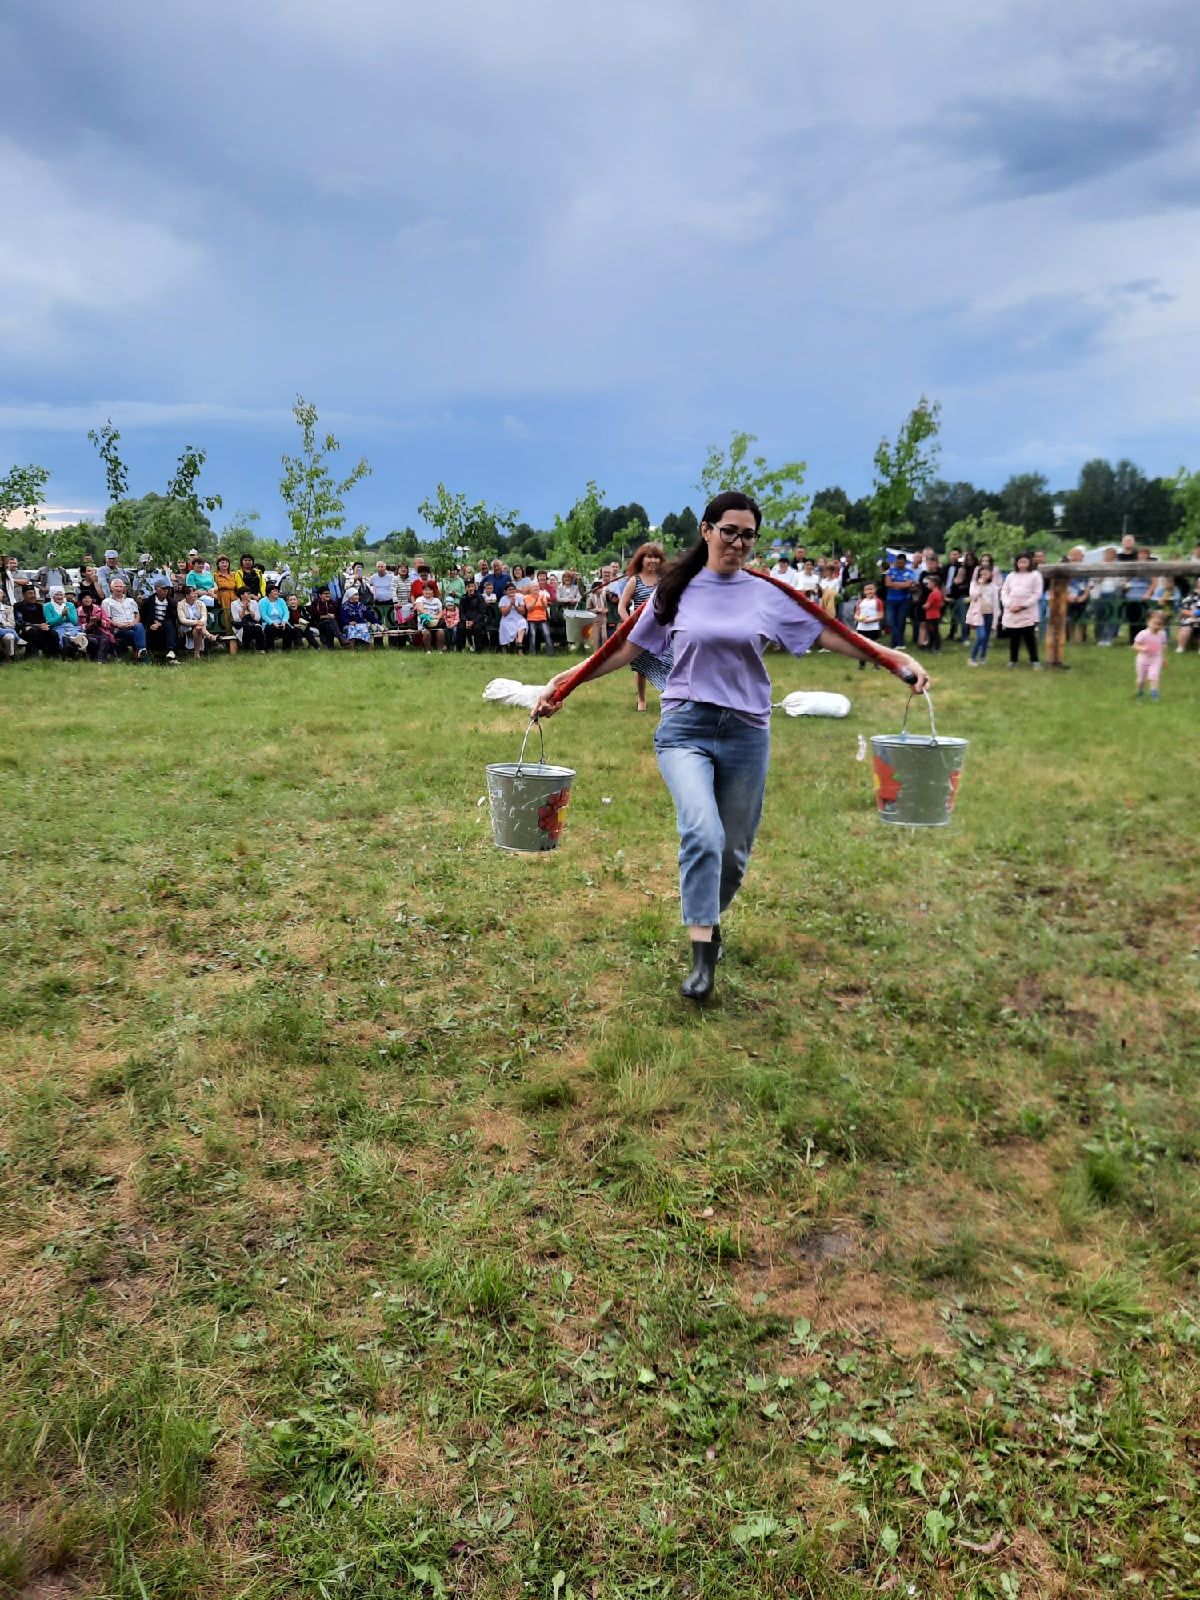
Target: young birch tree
{"points": [[315, 501]]}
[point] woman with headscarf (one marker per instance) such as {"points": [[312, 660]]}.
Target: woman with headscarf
{"points": [[60, 613], [356, 621]]}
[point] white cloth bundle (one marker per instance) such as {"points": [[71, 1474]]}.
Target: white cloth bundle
{"points": [[814, 703], [511, 693]]}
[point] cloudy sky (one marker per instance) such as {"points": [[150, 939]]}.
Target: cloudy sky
{"points": [[514, 244]]}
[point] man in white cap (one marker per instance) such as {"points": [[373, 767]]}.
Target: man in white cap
{"points": [[110, 572]]}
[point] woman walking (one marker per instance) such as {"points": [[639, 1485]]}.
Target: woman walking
{"points": [[641, 580], [713, 742], [1021, 596]]}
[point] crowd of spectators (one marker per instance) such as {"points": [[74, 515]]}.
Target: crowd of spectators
{"points": [[169, 615]]}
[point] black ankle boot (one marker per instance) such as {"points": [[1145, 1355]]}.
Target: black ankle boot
{"points": [[698, 984], [717, 945]]}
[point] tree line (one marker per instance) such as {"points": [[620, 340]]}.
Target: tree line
{"points": [[908, 505]]}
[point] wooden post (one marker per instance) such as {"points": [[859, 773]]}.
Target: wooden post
{"points": [[1056, 630]]}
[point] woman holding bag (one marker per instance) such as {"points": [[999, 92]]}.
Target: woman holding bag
{"points": [[713, 742]]}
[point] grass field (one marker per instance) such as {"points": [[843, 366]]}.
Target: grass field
{"points": [[376, 1220]]}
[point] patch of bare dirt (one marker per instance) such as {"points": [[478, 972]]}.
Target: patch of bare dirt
{"points": [[411, 1459]]}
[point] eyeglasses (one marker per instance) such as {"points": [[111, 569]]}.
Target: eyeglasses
{"points": [[731, 534]]}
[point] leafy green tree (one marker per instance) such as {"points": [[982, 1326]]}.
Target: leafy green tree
{"points": [[903, 469], [401, 544], [778, 490], [988, 531], [575, 534], [23, 489], [680, 528], [159, 526], [834, 500], [182, 506], [475, 529], [315, 501], [118, 519], [240, 537], [825, 532], [940, 505], [1025, 500], [1110, 501], [1185, 492]]}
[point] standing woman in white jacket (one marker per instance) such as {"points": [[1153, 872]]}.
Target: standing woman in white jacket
{"points": [[1021, 599]]}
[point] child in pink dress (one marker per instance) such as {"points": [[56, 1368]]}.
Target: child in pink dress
{"points": [[1151, 647]]}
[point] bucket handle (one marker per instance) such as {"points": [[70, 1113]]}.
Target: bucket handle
{"points": [[541, 736], [912, 695]]}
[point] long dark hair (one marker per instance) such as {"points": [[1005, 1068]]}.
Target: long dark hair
{"points": [[685, 567]]}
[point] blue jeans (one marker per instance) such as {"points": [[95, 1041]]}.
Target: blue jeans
{"points": [[135, 636], [715, 766], [897, 616], [983, 634]]}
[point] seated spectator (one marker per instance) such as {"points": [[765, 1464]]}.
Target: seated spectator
{"points": [[244, 616], [431, 616], [1189, 621], [9, 637], [355, 620], [249, 576], [383, 592], [450, 618], [273, 619], [40, 638], [101, 639], [471, 633], [226, 591], [192, 616], [304, 629], [122, 612], [158, 613], [63, 618], [323, 614]]}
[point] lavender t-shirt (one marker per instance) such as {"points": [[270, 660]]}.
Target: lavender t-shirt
{"points": [[718, 637]]}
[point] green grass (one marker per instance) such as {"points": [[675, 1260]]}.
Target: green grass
{"points": [[376, 1220]]}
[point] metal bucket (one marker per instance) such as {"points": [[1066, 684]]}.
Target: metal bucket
{"points": [[528, 800], [917, 775], [581, 628]]}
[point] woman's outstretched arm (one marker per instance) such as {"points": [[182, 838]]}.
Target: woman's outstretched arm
{"points": [[623, 656]]}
